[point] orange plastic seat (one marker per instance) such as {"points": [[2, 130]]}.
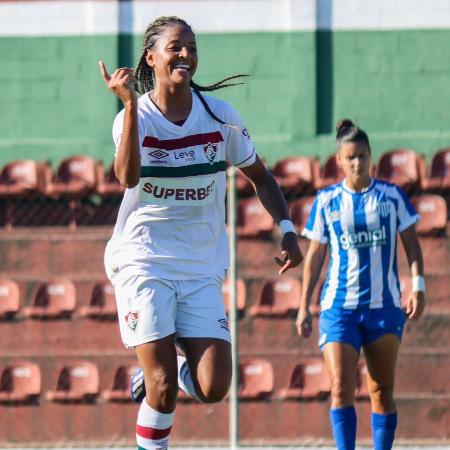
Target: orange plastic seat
{"points": [[20, 382], [277, 297], [308, 379], [9, 298], [438, 178], [52, 299], [253, 220], [121, 387], [299, 210], [77, 382], [433, 213], [102, 304], [107, 182], [297, 175], [256, 379], [404, 167], [241, 294], [331, 173]]}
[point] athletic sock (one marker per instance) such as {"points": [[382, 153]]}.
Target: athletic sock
{"points": [[153, 428], [184, 378], [383, 430], [343, 423]]}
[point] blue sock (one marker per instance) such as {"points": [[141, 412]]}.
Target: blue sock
{"points": [[383, 430], [343, 422]]}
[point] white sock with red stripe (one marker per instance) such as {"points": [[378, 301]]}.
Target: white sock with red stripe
{"points": [[184, 378], [153, 428]]}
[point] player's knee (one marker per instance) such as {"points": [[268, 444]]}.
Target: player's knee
{"points": [[382, 396], [214, 392], [342, 392]]}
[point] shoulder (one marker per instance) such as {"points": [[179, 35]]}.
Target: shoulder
{"points": [[390, 189], [221, 107], [326, 195]]}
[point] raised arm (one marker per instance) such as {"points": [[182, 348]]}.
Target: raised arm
{"points": [[311, 272], [127, 164], [273, 201], [416, 303]]}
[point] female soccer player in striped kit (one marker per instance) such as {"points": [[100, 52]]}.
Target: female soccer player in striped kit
{"points": [[358, 219], [169, 250]]}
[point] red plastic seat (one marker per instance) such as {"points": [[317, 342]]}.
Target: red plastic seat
{"points": [[299, 210], [253, 220], [75, 178], [107, 182], [433, 213], [241, 294], [121, 386], [404, 167], [308, 379], [52, 299], [77, 382], [9, 298], [438, 178], [20, 382], [256, 379], [102, 304], [277, 297], [297, 175], [331, 173]]}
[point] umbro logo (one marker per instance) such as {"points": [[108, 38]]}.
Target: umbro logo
{"points": [[158, 154]]}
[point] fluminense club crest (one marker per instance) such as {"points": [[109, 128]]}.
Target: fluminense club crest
{"points": [[210, 152], [132, 319]]}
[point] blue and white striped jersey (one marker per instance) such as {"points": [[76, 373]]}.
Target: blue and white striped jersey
{"points": [[361, 229]]}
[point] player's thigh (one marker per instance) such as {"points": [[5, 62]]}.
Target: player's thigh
{"points": [[381, 360], [341, 360], [209, 361]]}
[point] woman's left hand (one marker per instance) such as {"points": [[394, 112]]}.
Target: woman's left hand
{"points": [[415, 305], [290, 251]]}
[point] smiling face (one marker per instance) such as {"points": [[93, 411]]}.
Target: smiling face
{"points": [[354, 158], [173, 57]]}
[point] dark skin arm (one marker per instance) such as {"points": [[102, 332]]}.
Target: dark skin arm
{"points": [[273, 201], [416, 303]]}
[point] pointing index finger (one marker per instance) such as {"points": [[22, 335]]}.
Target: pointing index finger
{"points": [[104, 72]]}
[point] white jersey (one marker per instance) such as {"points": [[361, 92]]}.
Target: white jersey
{"points": [[172, 224], [361, 229]]}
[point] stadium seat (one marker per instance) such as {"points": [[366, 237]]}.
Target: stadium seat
{"points": [[404, 167], [75, 178], [53, 299], [22, 179], [438, 179], [331, 173], [9, 298], [297, 175], [253, 220], [77, 382], [102, 304], [256, 379], [241, 294], [299, 210], [120, 390], [308, 379], [20, 382], [107, 183], [433, 214], [277, 297]]}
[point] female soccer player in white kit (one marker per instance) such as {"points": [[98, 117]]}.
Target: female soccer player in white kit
{"points": [[169, 250], [358, 219]]}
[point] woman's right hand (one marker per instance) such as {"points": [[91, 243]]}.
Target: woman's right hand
{"points": [[121, 82], [304, 322]]}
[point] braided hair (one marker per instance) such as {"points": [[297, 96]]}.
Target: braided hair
{"points": [[145, 75]]}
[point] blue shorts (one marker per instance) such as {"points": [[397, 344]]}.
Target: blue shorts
{"points": [[359, 327]]}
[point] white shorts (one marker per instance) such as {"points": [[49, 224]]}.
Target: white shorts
{"points": [[152, 308]]}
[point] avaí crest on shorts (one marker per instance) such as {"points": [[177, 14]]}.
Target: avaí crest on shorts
{"points": [[132, 319], [210, 152]]}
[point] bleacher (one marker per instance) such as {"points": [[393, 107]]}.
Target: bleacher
{"points": [[63, 368]]}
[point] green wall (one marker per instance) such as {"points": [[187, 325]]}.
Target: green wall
{"points": [[393, 83]]}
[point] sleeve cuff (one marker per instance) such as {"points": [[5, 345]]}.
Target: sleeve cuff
{"points": [[314, 236], [412, 220]]}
